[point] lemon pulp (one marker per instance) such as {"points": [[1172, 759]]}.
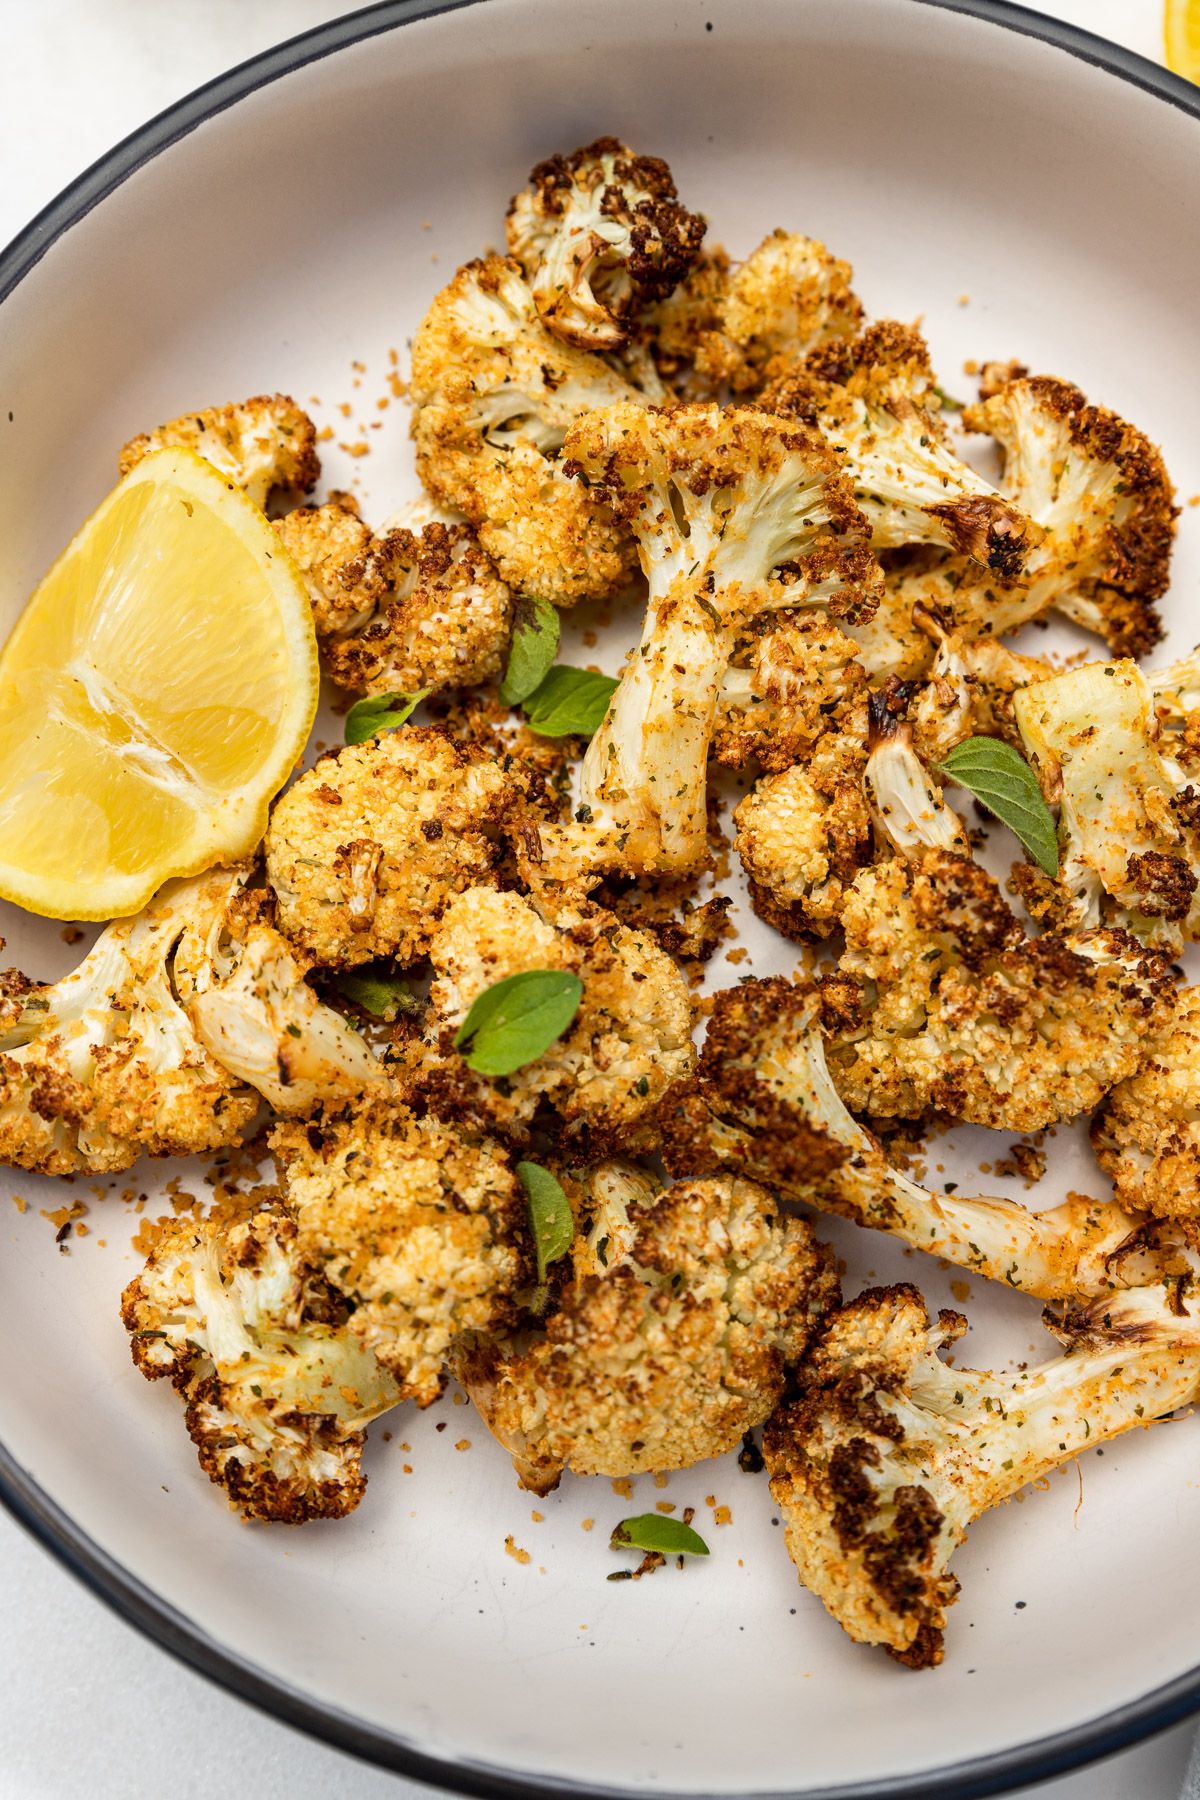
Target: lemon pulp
{"points": [[154, 695], [1182, 33]]}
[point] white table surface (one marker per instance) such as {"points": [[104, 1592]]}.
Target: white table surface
{"points": [[88, 1709]]}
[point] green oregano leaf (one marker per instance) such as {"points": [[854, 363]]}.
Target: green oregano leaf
{"points": [[380, 712], [550, 1217], [569, 701], [1000, 777], [514, 1021], [656, 1531], [379, 993], [534, 647]]}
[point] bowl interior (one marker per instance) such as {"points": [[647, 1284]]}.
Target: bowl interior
{"points": [[1023, 203]]}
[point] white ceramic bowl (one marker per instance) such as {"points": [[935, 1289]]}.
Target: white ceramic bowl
{"points": [[294, 219]]}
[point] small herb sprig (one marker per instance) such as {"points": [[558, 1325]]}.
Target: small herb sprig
{"points": [[1003, 781], [512, 1022]]}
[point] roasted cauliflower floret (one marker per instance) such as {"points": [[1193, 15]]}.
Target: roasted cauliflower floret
{"points": [[874, 400], [906, 804], [803, 835], [606, 1074], [400, 612], [717, 500], [243, 987], [105, 1064], [600, 233], [1129, 817], [423, 1230], [950, 1007], [263, 444], [276, 1389], [367, 848], [1099, 488], [494, 394], [789, 297], [1147, 1133], [763, 1105], [887, 1454], [669, 1357]]}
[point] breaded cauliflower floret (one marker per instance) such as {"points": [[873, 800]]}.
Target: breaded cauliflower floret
{"points": [[906, 804], [1129, 816], [669, 1357], [366, 849], [243, 987], [423, 1230], [803, 835], [276, 1389], [105, 1064], [494, 394], [262, 444], [600, 233], [1147, 1133], [606, 1074], [1100, 489], [718, 500], [763, 1105], [887, 1454], [946, 1005], [875, 400], [400, 612]]}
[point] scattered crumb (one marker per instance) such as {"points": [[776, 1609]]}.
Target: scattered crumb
{"points": [[737, 956], [537, 1517], [964, 299], [19, 1203], [689, 1513], [440, 1426], [460, 1399], [345, 408], [970, 367], [664, 1506], [511, 1549], [985, 1168], [961, 1291], [325, 433], [586, 1525], [722, 1516], [359, 449], [102, 1243], [589, 638], [660, 1480], [387, 1437], [624, 1487], [71, 934], [1194, 500], [407, 1467]]}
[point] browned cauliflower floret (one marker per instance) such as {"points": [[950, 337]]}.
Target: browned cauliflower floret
{"points": [[262, 444], [277, 1390], [600, 233], [1100, 489], [606, 1074], [367, 848], [667, 1358], [803, 835], [494, 394], [946, 1005], [400, 612], [105, 1064], [1147, 1133], [886, 1454], [874, 399], [423, 1230]]}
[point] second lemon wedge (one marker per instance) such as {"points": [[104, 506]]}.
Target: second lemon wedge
{"points": [[1182, 33], [154, 695]]}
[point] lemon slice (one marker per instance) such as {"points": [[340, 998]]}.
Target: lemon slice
{"points": [[1182, 22], [155, 694]]}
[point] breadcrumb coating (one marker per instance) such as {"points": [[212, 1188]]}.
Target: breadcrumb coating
{"points": [[803, 835], [367, 848], [667, 1359], [1147, 1133], [276, 1390], [423, 1229], [606, 1074], [940, 1002], [263, 444], [494, 394], [599, 233], [400, 612]]}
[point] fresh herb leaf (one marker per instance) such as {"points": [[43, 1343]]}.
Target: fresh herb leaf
{"points": [[378, 993], [998, 776], [948, 400], [550, 1217], [655, 1531], [534, 647], [514, 1021], [569, 701], [380, 712]]}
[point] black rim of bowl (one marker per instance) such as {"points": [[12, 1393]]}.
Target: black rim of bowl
{"points": [[109, 1580]]}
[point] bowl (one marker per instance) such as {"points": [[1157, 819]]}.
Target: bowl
{"points": [[1027, 190]]}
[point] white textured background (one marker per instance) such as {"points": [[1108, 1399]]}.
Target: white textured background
{"points": [[88, 1709]]}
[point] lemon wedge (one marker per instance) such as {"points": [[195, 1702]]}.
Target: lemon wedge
{"points": [[1182, 31], [154, 695]]}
